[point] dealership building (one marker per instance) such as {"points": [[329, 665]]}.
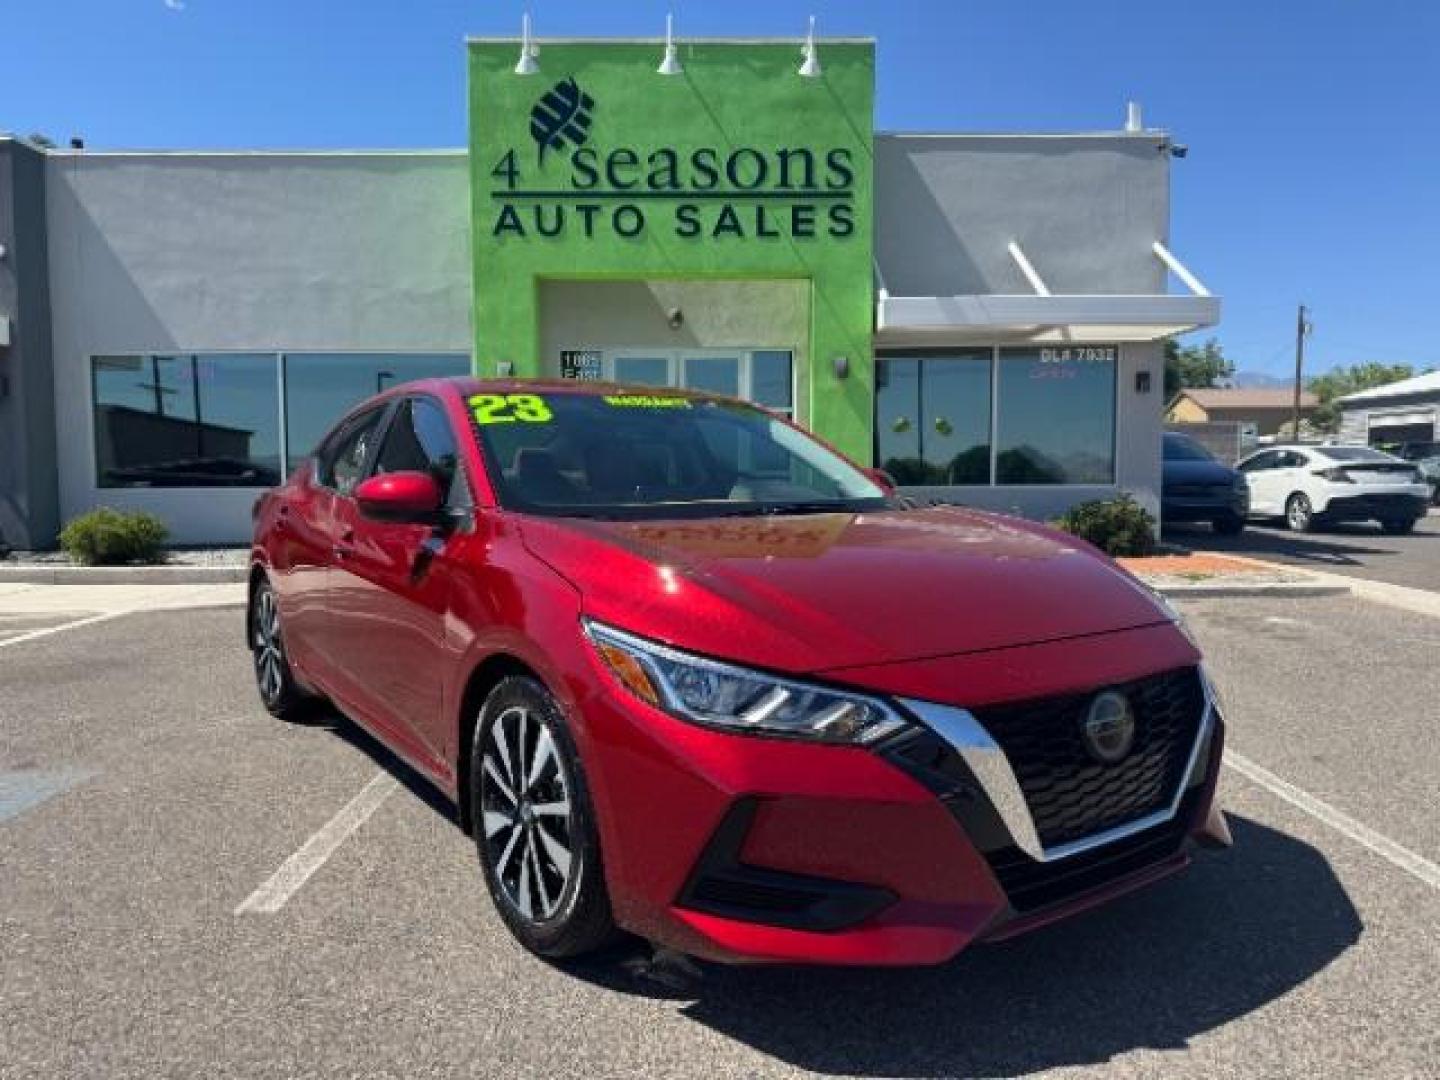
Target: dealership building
{"points": [[982, 315]]}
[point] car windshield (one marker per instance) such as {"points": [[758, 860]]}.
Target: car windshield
{"points": [[1184, 448], [654, 454], [1355, 453]]}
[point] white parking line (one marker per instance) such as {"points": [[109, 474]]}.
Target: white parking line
{"points": [[87, 621], [1415, 865], [296, 870]]}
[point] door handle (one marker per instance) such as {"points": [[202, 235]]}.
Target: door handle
{"points": [[344, 548]]}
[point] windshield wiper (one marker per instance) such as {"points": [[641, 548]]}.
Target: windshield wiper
{"points": [[813, 506]]}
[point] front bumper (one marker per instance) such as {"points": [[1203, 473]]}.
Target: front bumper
{"points": [[1179, 504], [738, 848]]}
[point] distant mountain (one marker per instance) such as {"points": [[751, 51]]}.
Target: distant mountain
{"points": [[1247, 380]]}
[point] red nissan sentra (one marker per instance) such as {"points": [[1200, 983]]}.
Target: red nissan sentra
{"points": [[688, 672]]}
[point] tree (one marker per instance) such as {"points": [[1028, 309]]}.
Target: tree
{"points": [[1349, 380], [1194, 366]]}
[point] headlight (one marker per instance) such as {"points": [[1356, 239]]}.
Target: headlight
{"points": [[737, 699]]}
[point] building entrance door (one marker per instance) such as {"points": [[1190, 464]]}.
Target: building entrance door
{"points": [[764, 376]]}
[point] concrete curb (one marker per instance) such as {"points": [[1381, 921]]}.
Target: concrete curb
{"points": [[1408, 598], [1214, 590], [43, 574]]}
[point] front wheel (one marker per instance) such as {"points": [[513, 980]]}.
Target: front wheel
{"points": [[1299, 514], [534, 826]]}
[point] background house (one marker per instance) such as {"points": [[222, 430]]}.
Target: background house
{"points": [[1266, 408], [1402, 412]]}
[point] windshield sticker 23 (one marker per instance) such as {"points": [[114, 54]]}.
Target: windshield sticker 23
{"points": [[509, 409], [646, 401]]}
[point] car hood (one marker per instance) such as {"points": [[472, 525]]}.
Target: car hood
{"points": [[811, 592], [1197, 472]]}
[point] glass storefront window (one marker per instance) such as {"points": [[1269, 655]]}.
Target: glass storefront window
{"points": [[1056, 415], [771, 378], [645, 370], [717, 374], [932, 417], [195, 420], [321, 387]]}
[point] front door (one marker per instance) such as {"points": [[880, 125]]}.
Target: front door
{"points": [[389, 595]]}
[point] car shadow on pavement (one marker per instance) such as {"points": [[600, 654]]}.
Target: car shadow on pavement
{"points": [[1339, 545], [341, 726], [1153, 970]]}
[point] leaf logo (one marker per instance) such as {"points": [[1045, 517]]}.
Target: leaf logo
{"points": [[561, 116]]}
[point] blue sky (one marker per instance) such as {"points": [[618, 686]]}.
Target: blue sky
{"points": [[1314, 167]]}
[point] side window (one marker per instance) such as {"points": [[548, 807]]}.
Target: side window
{"points": [[1259, 463], [344, 456], [421, 440]]}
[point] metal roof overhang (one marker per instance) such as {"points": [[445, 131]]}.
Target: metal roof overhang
{"points": [[1043, 316], [959, 319]]}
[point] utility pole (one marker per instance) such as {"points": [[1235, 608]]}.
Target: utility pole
{"points": [[1302, 328]]}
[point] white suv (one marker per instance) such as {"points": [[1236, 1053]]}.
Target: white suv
{"points": [[1310, 485]]}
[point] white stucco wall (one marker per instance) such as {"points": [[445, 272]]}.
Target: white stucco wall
{"points": [[1084, 208], [363, 252]]}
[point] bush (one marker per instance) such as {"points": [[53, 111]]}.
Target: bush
{"points": [[107, 537], [1116, 526]]}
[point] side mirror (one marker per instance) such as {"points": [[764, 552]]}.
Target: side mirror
{"points": [[883, 478], [400, 497]]}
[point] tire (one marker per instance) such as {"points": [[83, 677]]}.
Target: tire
{"points": [[280, 693], [1398, 527], [1229, 524], [1299, 515], [534, 824]]}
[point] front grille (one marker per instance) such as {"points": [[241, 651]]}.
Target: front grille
{"points": [[1072, 796], [1196, 491], [1032, 885]]}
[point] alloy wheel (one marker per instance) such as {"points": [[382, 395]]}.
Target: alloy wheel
{"points": [[1298, 513], [526, 814], [267, 646]]}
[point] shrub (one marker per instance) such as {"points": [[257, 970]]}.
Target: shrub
{"points": [[107, 537], [1116, 526]]}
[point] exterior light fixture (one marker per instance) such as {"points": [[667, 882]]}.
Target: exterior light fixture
{"points": [[671, 64], [810, 68], [527, 64], [841, 366]]}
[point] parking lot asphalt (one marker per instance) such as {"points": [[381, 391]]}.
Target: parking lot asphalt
{"points": [[150, 796], [1359, 549]]}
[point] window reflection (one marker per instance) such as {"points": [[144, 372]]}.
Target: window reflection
{"points": [[321, 387], [933, 417], [1057, 415], [186, 421]]}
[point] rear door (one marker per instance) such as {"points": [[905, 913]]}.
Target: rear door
{"points": [[390, 590]]}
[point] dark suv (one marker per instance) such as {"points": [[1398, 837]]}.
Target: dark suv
{"points": [[1195, 486], [1426, 456]]}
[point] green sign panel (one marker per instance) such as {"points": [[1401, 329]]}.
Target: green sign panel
{"points": [[600, 168]]}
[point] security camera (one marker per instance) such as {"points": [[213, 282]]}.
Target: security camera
{"points": [[1178, 150]]}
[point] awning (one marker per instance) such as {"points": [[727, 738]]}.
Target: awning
{"points": [[1046, 317]]}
